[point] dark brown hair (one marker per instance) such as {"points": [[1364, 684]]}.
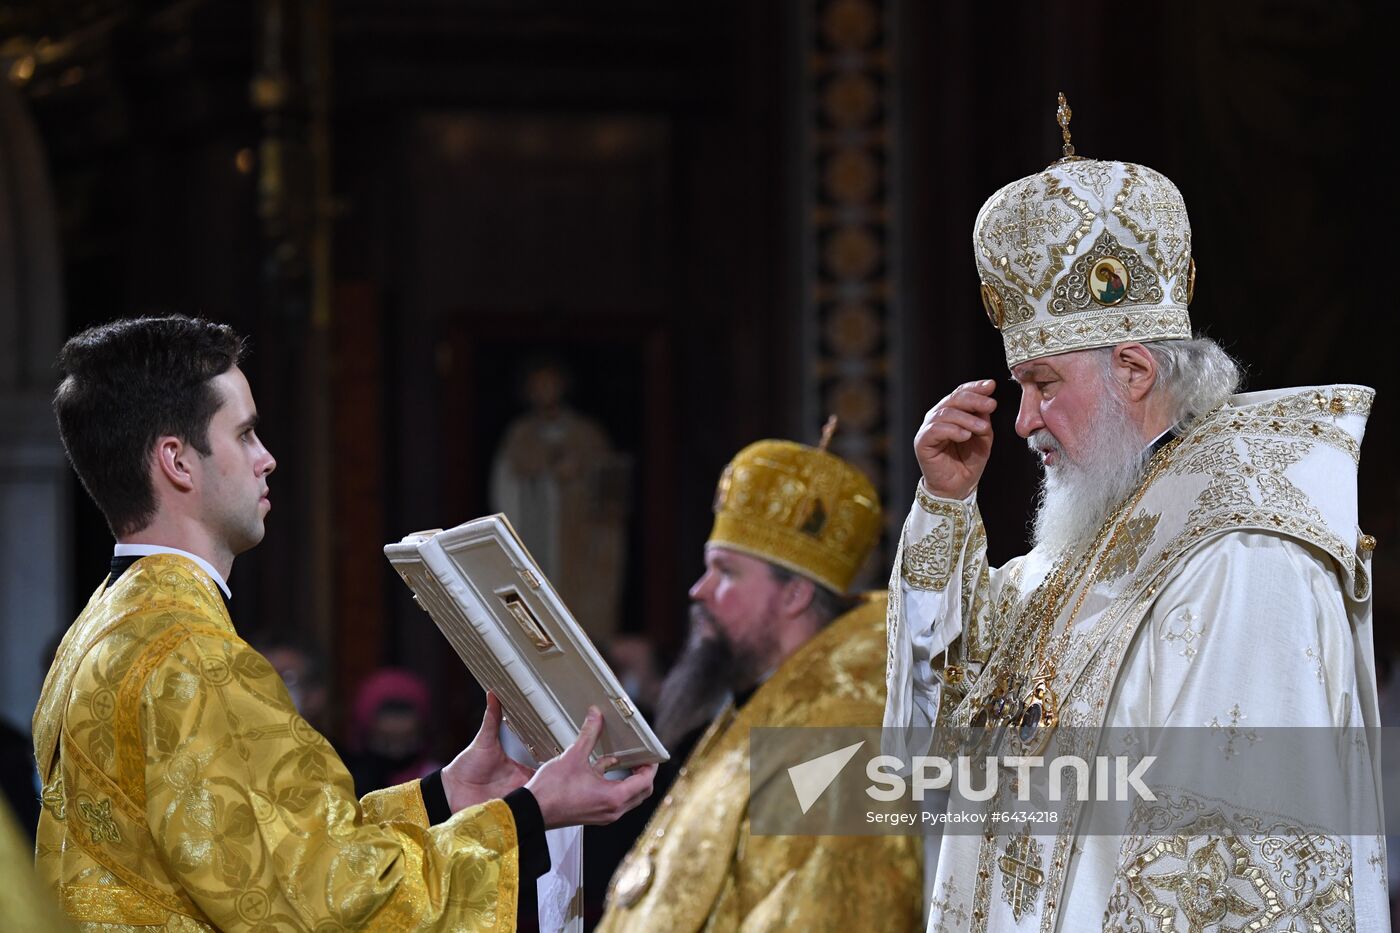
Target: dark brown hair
{"points": [[127, 383]]}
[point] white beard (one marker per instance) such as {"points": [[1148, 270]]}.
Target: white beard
{"points": [[1077, 498]]}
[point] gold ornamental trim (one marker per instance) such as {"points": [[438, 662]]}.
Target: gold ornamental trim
{"points": [[1085, 332], [110, 903]]}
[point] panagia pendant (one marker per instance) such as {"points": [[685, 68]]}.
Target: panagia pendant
{"points": [[1039, 714]]}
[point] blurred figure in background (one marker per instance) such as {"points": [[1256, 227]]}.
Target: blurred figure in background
{"points": [[565, 490], [388, 735]]}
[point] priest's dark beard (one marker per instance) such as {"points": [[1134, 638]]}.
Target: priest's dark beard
{"points": [[707, 672]]}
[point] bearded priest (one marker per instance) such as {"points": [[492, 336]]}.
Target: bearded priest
{"points": [[778, 643], [1197, 570]]}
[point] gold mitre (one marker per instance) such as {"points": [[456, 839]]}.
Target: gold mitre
{"points": [[1085, 254], [799, 507]]}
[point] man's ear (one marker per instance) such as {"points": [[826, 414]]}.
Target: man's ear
{"points": [[798, 593], [1135, 369], [174, 462]]}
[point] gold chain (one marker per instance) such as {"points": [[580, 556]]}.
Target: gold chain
{"points": [[1048, 599], [1116, 522]]}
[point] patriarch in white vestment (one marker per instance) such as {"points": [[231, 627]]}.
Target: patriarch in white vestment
{"points": [[1199, 582]]}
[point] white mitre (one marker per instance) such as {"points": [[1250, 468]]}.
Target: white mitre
{"points": [[1085, 254]]}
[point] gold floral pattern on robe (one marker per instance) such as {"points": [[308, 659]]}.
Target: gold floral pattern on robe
{"points": [[188, 794]]}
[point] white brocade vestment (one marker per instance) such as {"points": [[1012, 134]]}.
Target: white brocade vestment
{"points": [[1234, 597]]}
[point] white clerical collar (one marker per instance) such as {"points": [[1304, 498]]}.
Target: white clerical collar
{"points": [[146, 550]]}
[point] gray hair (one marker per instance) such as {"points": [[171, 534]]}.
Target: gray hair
{"points": [[1197, 375]]}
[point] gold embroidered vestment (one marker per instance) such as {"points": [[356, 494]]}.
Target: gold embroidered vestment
{"points": [[182, 791]]}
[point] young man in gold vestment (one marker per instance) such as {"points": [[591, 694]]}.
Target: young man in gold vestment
{"points": [[182, 791], [792, 526]]}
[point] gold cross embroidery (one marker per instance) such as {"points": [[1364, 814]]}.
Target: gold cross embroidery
{"points": [[1022, 876], [1187, 636], [1377, 863], [1030, 225], [1129, 546], [99, 821], [951, 915], [1232, 731], [52, 798]]}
